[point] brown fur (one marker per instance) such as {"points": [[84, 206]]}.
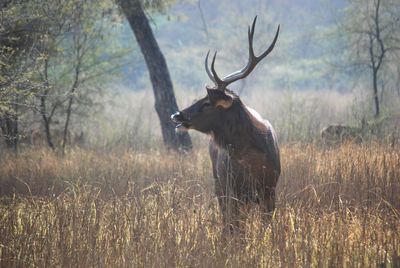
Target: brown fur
{"points": [[338, 134], [244, 154], [243, 147]]}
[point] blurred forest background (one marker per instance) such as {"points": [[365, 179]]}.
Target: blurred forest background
{"points": [[85, 105], [72, 73]]}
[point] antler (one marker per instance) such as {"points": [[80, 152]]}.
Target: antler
{"points": [[245, 71]]}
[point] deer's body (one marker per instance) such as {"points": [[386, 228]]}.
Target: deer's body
{"points": [[245, 160], [338, 134], [243, 147]]}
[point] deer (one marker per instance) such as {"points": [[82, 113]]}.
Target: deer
{"points": [[243, 147], [339, 134]]}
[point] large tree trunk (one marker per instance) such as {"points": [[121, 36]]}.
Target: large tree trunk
{"points": [[165, 102]]}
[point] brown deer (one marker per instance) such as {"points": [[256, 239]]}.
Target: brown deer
{"points": [[243, 146], [339, 134]]}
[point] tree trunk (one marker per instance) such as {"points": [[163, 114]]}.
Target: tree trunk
{"points": [[65, 132], [9, 127], [43, 98], [46, 121], [375, 88], [71, 94], [165, 102]]}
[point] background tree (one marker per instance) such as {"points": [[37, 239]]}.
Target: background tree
{"points": [[76, 61], [54, 58], [165, 102], [21, 48], [71, 65], [371, 30]]}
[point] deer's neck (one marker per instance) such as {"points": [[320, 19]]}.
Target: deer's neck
{"points": [[237, 132]]}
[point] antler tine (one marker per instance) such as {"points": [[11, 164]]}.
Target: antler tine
{"points": [[253, 60], [245, 71], [207, 68], [219, 83], [252, 57], [271, 47], [251, 35]]}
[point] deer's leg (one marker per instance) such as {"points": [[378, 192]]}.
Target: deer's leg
{"points": [[228, 203], [221, 197], [267, 202], [220, 181], [243, 198]]}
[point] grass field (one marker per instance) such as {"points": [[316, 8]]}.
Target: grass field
{"points": [[337, 207]]}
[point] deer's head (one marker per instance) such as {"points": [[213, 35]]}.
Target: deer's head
{"points": [[206, 114]]}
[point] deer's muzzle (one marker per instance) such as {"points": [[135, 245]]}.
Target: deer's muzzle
{"points": [[182, 121]]}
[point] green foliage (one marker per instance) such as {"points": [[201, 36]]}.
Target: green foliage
{"points": [[84, 52], [159, 6], [21, 51]]}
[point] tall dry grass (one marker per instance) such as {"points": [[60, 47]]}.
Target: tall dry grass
{"points": [[336, 208]]}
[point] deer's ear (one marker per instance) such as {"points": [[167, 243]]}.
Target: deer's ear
{"points": [[219, 98], [226, 104]]}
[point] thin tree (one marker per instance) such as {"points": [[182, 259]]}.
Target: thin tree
{"points": [[372, 28], [72, 64], [20, 47], [376, 55]]}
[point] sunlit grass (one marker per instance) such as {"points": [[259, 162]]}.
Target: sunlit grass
{"points": [[336, 208]]}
